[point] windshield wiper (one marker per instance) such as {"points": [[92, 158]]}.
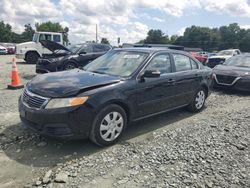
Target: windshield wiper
{"points": [[98, 72]]}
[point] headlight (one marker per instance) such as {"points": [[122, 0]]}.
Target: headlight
{"points": [[66, 102], [56, 59]]}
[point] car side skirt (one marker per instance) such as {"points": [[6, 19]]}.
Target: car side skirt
{"points": [[161, 112]]}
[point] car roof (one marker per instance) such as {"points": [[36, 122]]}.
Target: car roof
{"points": [[152, 50]]}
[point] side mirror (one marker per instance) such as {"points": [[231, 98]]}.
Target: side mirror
{"points": [[151, 74]]}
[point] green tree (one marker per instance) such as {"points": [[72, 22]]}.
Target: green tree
{"points": [[173, 39], [244, 43], [5, 32], [230, 36], [156, 37], [105, 41], [28, 33], [200, 37], [53, 27]]}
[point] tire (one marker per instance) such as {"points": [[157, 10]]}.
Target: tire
{"points": [[112, 129], [198, 101], [32, 57], [70, 66]]}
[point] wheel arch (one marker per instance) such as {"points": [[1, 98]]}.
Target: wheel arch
{"points": [[32, 51], [204, 86], [120, 103]]}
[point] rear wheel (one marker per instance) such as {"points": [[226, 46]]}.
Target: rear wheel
{"points": [[198, 101], [32, 57], [109, 125]]}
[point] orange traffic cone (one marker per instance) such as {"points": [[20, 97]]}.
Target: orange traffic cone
{"points": [[15, 81]]}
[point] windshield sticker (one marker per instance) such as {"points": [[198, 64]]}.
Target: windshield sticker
{"points": [[131, 56]]}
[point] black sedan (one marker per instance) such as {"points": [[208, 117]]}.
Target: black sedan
{"points": [[233, 74], [63, 58], [123, 85]]}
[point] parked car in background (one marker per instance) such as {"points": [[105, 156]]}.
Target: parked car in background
{"points": [[203, 54], [199, 56], [122, 86], [221, 57], [211, 54], [3, 50], [65, 59], [234, 73], [11, 48], [31, 51]]}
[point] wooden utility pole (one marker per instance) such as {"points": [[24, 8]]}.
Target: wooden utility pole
{"points": [[96, 36]]}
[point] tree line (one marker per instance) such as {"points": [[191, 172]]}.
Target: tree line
{"points": [[209, 39]]}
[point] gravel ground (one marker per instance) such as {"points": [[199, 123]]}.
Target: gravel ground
{"points": [[177, 149]]}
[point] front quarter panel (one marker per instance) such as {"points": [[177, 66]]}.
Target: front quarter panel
{"points": [[122, 93]]}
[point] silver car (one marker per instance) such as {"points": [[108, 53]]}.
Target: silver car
{"points": [[3, 50]]}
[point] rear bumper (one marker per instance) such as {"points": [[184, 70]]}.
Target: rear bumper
{"points": [[66, 123]]}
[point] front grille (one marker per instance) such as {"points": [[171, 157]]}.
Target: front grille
{"points": [[225, 79], [32, 100], [215, 61], [43, 62]]}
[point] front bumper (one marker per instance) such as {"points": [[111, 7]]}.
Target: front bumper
{"points": [[239, 85], [20, 56], [70, 123], [45, 66]]}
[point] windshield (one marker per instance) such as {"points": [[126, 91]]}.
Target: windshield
{"points": [[35, 37], [225, 52], [117, 63], [74, 48], [239, 61]]}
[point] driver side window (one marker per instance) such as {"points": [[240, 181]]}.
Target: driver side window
{"points": [[86, 49], [160, 63]]}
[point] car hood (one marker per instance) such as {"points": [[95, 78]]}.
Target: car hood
{"points": [[68, 83], [2, 48], [53, 46], [232, 70], [220, 56]]}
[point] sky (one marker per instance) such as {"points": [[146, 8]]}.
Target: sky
{"points": [[130, 20]]}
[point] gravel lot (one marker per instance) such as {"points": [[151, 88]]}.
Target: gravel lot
{"points": [[177, 149]]}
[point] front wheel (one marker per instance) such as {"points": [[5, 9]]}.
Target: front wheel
{"points": [[69, 66], [109, 125], [32, 57], [198, 101]]}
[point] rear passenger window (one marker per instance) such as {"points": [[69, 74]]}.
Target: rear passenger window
{"points": [[99, 48], [160, 63], [194, 64], [182, 62], [45, 37], [56, 38]]}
